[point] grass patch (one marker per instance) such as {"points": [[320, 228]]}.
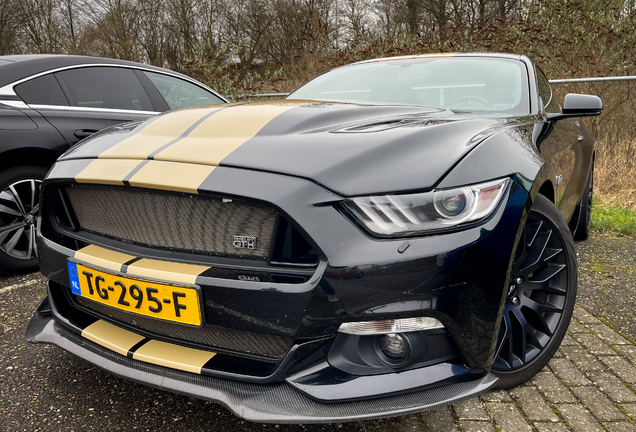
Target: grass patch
{"points": [[608, 215]]}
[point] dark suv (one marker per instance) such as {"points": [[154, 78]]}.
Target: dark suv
{"points": [[50, 102]]}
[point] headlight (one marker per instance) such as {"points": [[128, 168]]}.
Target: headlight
{"points": [[416, 214]]}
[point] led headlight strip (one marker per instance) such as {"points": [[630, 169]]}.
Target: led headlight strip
{"points": [[402, 325], [439, 210]]}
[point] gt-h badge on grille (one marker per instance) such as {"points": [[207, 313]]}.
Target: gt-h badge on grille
{"points": [[244, 242]]}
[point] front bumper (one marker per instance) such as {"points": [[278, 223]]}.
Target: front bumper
{"points": [[268, 403], [458, 278]]}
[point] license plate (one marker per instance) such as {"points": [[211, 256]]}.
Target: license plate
{"points": [[167, 302]]}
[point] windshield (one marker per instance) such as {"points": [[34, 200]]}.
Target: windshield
{"points": [[459, 83]]}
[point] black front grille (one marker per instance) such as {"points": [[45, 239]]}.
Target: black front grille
{"points": [[174, 221], [209, 336]]}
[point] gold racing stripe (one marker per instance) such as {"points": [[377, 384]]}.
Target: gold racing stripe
{"points": [[107, 171], [180, 177], [173, 356], [166, 270], [154, 269], [112, 337], [101, 257], [156, 134], [219, 135], [160, 353]]}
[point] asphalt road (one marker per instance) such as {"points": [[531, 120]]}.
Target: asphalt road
{"points": [[44, 388]]}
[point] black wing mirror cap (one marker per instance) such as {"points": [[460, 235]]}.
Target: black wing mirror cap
{"points": [[578, 105]]}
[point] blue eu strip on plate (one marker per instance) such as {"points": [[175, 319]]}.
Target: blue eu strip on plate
{"points": [[74, 278]]}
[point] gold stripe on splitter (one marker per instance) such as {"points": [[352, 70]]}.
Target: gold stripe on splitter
{"points": [[173, 356], [112, 337], [107, 171], [166, 271], [180, 177], [219, 135], [156, 134], [101, 257]]}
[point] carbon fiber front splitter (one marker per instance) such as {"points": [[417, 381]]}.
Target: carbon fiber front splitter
{"points": [[263, 403]]}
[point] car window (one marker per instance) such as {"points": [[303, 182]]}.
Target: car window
{"points": [[181, 94], [105, 87], [459, 83], [44, 90], [548, 98]]}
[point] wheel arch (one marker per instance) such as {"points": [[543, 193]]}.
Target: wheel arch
{"points": [[27, 156], [547, 190]]}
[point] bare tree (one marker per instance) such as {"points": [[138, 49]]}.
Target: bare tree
{"points": [[388, 18], [357, 19], [10, 26], [151, 30], [41, 27], [114, 28]]}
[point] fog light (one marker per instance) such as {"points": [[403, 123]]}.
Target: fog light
{"points": [[394, 346]]}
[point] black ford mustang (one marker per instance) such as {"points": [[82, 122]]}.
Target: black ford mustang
{"points": [[391, 238]]}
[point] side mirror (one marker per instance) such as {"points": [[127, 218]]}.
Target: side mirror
{"points": [[578, 105]]}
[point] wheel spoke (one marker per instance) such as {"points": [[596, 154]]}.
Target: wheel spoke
{"points": [[5, 231], [10, 245], [31, 242], [17, 200], [7, 210], [532, 229], [519, 341], [550, 253], [505, 354], [548, 288], [5, 195], [532, 339], [548, 273], [540, 308], [535, 315], [535, 256], [33, 193], [35, 243]]}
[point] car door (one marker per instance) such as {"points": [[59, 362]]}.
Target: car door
{"points": [[566, 145], [90, 99]]}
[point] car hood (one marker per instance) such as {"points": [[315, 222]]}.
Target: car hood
{"points": [[349, 149]]}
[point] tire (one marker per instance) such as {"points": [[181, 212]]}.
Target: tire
{"points": [[582, 218], [19, 204], [541, 297]]}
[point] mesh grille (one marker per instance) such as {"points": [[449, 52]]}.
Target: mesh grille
{"points": [[209, 335], [170, 221]]}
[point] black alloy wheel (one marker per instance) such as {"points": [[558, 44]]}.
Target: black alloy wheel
{"points": [[19, 205], [540, 298]]}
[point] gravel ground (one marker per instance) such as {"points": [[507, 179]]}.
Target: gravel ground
{"points": [[589, 385]]}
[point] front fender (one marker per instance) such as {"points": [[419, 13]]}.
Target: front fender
{"points": [[506, 153]]}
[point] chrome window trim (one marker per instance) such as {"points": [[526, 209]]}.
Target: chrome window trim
{"points": [[8, 90], [14, 103], [73, 108]]}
